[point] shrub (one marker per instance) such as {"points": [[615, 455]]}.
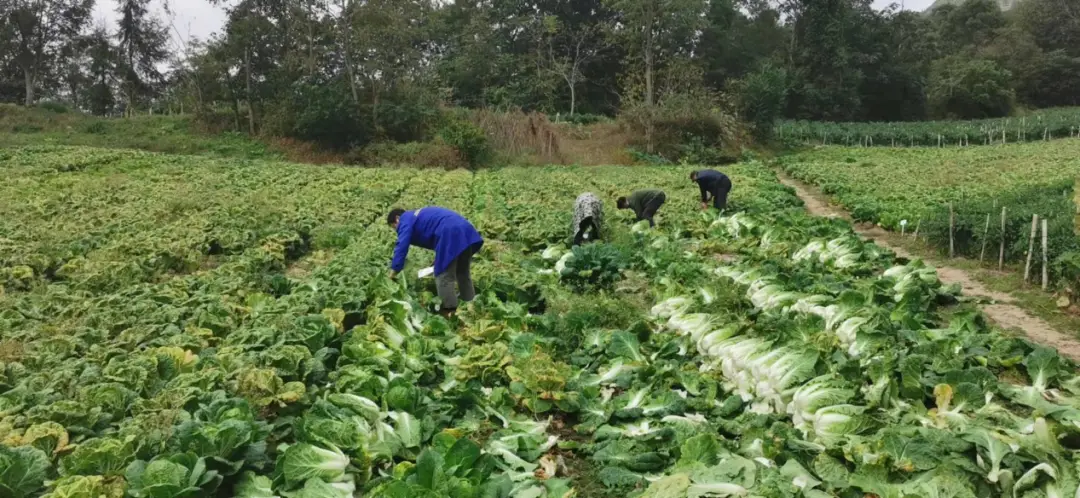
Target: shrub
{"points": [[321, 112], [696, 151], [583, 119], [641, 157], [56, 107], [96, 128], [407, 114], [761, 97], [693, 118], [467, 138], [27, 128]]}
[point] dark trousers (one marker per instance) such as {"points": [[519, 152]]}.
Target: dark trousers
{"points": [[721, 193], [652, 207], [587, 226], [457, 273]]}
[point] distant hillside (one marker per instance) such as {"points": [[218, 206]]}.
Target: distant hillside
{"points": [[1004, 4]]}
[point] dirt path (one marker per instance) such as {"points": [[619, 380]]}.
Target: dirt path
{"points": [[1001, 311]]}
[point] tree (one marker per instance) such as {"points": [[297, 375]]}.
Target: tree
{"points": [[142, 46], [1015, 50], [392, 36], [1054, 24], [488, 54], [250, 38], [37, 32], [761, 97], [740, 35], [102, 72], [570, 50], [823, 59], [894, 55], [965, 88], [1055, 81], [970, 24], [655, 32], [603, 59], [73, 73]]}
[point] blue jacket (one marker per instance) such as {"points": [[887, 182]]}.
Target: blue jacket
{"points": [[447, 233]]}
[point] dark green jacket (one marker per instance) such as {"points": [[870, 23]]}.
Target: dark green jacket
{"points": [[641, 199]]}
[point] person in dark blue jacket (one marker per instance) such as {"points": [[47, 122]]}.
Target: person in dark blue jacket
{"points": [[454, 241], [714, 183]]}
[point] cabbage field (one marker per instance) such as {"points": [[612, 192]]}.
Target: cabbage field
{"points": [[1038, 126], [174, 326], [888, 186]]}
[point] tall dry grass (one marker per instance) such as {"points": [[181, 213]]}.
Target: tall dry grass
{"points": [[521, 134]]}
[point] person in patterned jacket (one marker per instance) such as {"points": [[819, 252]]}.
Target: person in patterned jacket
{"points": [[588, 218]]}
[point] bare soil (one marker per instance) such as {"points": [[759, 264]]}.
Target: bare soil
{"points": [[1000, 308]]}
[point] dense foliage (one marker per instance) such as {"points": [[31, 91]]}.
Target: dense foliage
{"points": [[804, 362]]}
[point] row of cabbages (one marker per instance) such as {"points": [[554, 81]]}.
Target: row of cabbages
{"points": [[779, 378]]}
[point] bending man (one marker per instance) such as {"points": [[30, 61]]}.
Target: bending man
{"points": [[588, 218], [645, 204], [714, 183], [454, 241]]}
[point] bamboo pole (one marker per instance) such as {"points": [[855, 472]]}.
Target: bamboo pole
{"points": [[986, 233], [1001, 252], [1031, 246], [952, 228], [1046, 273]]}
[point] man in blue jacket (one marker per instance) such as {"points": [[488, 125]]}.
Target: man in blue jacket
{"points": [[714, 183], [454, 241]]}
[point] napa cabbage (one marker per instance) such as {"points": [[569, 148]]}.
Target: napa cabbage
{"points": [[830, 425], [302, 461]]}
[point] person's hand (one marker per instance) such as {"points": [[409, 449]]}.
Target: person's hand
{"points": [[704, 206], [393, 274]]}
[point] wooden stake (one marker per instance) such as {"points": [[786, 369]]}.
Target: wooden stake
{"points": [[986, 233], [1031, 246], [1046, 274], [952, 227], [1001, 253], [917, 225]]}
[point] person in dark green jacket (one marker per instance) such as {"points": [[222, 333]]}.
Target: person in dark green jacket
{"points": [[645, 204]]}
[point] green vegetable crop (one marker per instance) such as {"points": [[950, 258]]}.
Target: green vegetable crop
{"points": [[754, 353]]}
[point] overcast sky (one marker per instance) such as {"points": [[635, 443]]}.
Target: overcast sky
{"points": [[197, 18]]}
